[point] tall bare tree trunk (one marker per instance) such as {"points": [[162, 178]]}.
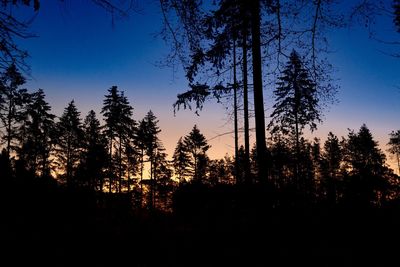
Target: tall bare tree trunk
{"points": [[246, 104], [110, 169], [258, 91], [120, 165], [9, 128], [235, 115], [141, 177]]}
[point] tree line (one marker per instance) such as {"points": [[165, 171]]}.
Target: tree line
{"points": [[121, 155]]}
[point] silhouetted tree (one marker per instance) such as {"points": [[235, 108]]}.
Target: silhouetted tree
{"points": [[13, 27], [140, 141], [281, 160], [362, 152], [13, 102], [316, 158], [224, 29], [153, 147], [296, 102], [181, 161], [221, 171], [163, 184], [330, 166], [197, 146], [269, 25], [242, 173], [5, 167], [152, 141], [38, 133], [365, 165], [396, 9], [118, 117], [394, 146], [94, 155], [305, 167], [132, 155], [253, 161], [69, 143]]}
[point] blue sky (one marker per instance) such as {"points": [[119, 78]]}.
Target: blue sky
{"points": [[79, 53]]}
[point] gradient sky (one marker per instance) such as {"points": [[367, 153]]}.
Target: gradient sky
{"points": [[79, 53]]}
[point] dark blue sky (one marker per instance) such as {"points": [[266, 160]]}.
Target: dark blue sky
{"points": [[79, 54]]}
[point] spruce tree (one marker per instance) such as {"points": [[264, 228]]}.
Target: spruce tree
{"points": [[163, 184], [362, 153], [117, 114], [13, 103], [94, 156], [69, 142], [181, 161], [38, 135], [394, 146], [197, 146], [153, 147], [331, 160], [140, 142], [364, 162], [296, 103]]}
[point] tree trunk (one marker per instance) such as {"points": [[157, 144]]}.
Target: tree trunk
{"points": [[128, 180], [246, 106], [296, 171], [154, 184], [120, 165], [141, 177], [195, 167], [297, 134], [110, 169], [9, 128], [151, 183], [68, 163], [398, 161], [258, 92], [235, 114]]}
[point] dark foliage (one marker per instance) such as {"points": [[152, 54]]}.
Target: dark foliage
{"points": [[396, 11]]}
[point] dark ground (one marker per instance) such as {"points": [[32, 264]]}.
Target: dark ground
{"points": [[51, 226]]}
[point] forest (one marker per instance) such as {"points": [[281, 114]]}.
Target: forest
{"points": [[99, 189]]}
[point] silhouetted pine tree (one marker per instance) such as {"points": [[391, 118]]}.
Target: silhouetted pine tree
{"points": [[5, 167], [181, 162], [94, 155], [140, 142], [365, 166], [281, 160], [330, 167], [163, 184], [153, 146], [13, 103], [224, 29], [69, 143], [118, 127], [394, 144], [296, 103], [197, 146], [316, 158], [220, 171], [242, 174], [39, 130], [132, 155], [227, 23], [306, 169]]}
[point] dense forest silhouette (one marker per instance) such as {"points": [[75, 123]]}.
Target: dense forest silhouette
{"points": [[99, 189]]}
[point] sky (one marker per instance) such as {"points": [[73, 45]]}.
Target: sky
{"points": [[80, 52]]}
